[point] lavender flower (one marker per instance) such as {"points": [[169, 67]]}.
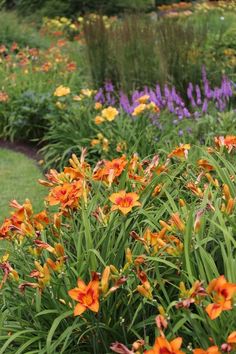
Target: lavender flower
{"points": [[196, 105]]}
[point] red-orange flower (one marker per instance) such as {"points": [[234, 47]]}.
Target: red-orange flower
{"points": [[211, 350], [229, 142], [180, 152], [222, 292], [110, 170], [67, 194], [124, 201], [3, 96], [232, 338], [205, 165], [87, 296], [230, 343], [163, 346]]}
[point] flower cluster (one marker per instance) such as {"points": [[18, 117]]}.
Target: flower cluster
{"points": [[154, 100], [125, 222]]}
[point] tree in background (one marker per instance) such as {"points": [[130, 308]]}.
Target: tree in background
{"points": [[53, 8]]}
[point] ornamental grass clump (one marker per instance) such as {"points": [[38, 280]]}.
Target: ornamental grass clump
{"points": [[128, 256]]}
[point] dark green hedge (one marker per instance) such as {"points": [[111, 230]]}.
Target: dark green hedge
{"points": [[52, 8]]}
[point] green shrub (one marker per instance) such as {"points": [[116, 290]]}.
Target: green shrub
{"points": [[52, 8], [12, 29]]}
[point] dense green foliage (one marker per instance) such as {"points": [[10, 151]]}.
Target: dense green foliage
{"points": [[53, 8], [141, 50]]}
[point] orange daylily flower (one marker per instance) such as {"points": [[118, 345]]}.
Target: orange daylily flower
{"points": [[8, 271], [109, 170], [163, 346], [222, 296], [232, 338], [124, 201], [99, 120], [191, 296], [180, 152], [3, 96], [67, 194], [87, 296], [211, 350], [159, 240], [22, 221], [205, 165], [40, 220], [230, 344], [229, 142], [98, 106], [196, 190], [41, 273]]}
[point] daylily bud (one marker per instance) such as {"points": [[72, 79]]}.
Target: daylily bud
{"points": [[161, 322], [128, 255], [165, 225], [105, 279], [182, 203], [138, 344], [175, 220], [226, 192], [139, 260], [114, 270], [230, 206], [144, 292]]}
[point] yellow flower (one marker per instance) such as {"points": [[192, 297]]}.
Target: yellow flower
{"points": [[61, 91], [87, 92], [143, 99], [109, 113], [139, 109], [77, 98]]}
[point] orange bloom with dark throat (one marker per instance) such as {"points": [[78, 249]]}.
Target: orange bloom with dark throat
{"points": [[211, 350], [222, 293], [87, 296], [163, 346], [229, 142], [110, 170], [124, 201], [180, 152], [67, 194]]}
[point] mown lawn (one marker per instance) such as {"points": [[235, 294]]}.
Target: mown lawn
{"points": [[18, 180]]}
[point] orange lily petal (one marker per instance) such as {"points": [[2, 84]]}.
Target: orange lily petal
{"points": [[73, 293], [213, 310], [79, 309]]}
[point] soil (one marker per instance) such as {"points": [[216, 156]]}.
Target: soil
{"points": [[28, 150]]}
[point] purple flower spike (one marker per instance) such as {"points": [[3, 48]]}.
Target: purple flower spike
{"points": [[205, 106]]}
